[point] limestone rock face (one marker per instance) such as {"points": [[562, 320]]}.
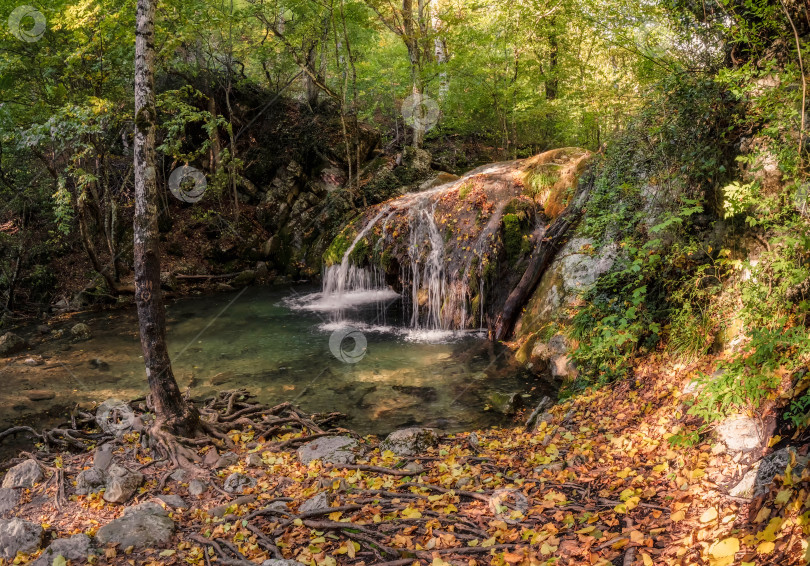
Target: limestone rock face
{"points": [[26, 474], [331, 449], [142, 526], [740, 434], [17, 535], [410, 441]]}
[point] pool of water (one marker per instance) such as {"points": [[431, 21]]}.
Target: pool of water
{"points": [[379, 376]]}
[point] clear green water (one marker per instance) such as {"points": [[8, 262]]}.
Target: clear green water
{"points": [[254, 340]]}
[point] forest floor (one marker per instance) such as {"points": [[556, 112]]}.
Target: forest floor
{"points": [[597, 482]]}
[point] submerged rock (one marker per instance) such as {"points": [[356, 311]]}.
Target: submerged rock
{"points": [[410, 441], [331, 449], [26, 474], [81, 332], [17, 535]]}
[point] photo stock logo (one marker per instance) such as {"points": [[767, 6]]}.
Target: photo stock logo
{"points": [[115, 417], [349, 345], [27, 24], [188, 184], [420, 112], [504, 502]]}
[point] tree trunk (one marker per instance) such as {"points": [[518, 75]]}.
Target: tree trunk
{"points": [[552, 79], [544, 254], [171, 409]]}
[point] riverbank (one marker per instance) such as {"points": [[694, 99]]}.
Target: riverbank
{"points": [[599, 480]]}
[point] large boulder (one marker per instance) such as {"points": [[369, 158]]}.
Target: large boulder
{"points": [[11, 344], [121, 484], [142, 526], [26, 474], [76, 549], [9, 499], [17, 535], [330, 449]]}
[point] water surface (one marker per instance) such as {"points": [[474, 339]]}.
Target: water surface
{"points": [[253, 339]]}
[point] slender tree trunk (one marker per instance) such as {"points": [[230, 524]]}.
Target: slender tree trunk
{"points": [[166, 399]]}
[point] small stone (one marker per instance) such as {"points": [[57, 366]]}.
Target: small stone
{"points": [[254, 460], [81, 332], [197, 487], [121, 484], [102, 457], [40, 394], [236, 483], [89, 481], [211, 458], [99, 364], [315, 503], [44, 329], [473, 441], [226, 461], [244, 500], [11, 344], [218, 511], [76, 548], [143, 526], [462, 482], [9, 499], [178, 475], [17, 535], [281, 562], [410, 441], [414, 468], [26, 474], [33, 362], [330, 449], [174, 501]]}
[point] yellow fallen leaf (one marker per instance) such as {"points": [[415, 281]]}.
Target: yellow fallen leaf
{"points": [[722, 552], [765, 547], [647, 560], [677, 516], [708, 515]]}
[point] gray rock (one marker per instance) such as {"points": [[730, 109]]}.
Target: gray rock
{"points": [[178, 475], [33, 362], [102, 457], [9, 499], [740, 434], [76, 548], [11, 344], [89, 481], [26, 474], [236, 483], [121, 484], [745, 488], [330, 449], [226, 461], [281, 562], [410, 441], [174, 501], [315, 503], [17, 535], [142, 526], [254, 460], [775, 464], [505, 403], [197, 487], [81, 332], [218, 511], [44, 329]]}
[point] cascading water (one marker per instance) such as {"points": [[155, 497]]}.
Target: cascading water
{"points": [[436, 273]]}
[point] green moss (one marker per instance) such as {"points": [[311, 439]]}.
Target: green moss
{"points": [[514, 239], [464, 190], [361, 252], [541, 179], [337, 249]]}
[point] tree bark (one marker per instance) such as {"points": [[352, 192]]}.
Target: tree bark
{"points": [[544, 253], [172, 410]]}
